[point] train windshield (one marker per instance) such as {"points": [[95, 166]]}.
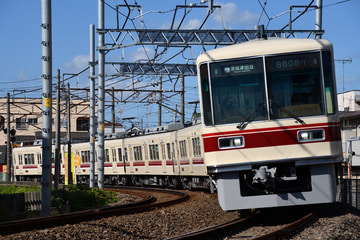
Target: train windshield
{"points": [[238, 91], [265, 88], [294, 85]]}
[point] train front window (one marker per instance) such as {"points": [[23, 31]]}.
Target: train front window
{"points": [[238, 91], [294, 85]]}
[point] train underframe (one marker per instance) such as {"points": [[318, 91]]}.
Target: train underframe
{"points": [[276, 185], [179, 182]]}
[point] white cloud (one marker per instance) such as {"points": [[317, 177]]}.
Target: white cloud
{"points": [[22, 75], [235, 17], [78, 63], [141, 54], [194, 23]]}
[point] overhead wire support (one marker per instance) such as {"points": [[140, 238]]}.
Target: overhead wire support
{"points": [[171, 37], [147, 68]]}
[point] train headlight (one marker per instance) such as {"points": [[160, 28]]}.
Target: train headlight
{"points": [[231, 142], [311, 135]]}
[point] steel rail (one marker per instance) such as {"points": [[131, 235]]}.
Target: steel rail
{"points": [[147, 203]]}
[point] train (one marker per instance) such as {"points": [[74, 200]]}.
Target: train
{"points": [[269, 134]]}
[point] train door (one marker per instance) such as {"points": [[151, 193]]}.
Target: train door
{"points": [[175, 158], [113, 160], [163, 158]]}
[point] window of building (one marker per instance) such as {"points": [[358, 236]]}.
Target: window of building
{"points": [[82, 124], [20, 123], [2, 122], [32, 120]]}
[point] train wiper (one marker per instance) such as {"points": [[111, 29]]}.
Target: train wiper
{"points": [[289, 113], [242, 125]]}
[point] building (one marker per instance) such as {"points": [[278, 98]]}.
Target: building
{"points": [[26, 119]]}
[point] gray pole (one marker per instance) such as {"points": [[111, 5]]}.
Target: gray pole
{"points": [[69, 134], [318, 16], [46, 106], [160, 102], [8, 145], [57, 133], [101, 112], [113, 110], [182, 99], [92, 105]]}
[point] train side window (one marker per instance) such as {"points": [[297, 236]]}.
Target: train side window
{"points": [[120, 154], [154, 151], [196, 147], [182, 146], [126, 155], [329, 83], [168, 148], [138, 153], [39, 161], [85, 156], [205, 94], [107, 157]]}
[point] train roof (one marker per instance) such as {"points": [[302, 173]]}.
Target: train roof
{"points": [[261, 47]]}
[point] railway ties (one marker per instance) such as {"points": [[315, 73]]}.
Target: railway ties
{"points": [[259, 226]]}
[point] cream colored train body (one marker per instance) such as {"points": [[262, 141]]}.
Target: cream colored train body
{"points": [[170, 157], [271, 129]]}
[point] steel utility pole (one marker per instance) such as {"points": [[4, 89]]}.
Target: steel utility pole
{"points": [[343, 70], [318, 16], [57, 133], [101, 90], [92, 105], [46, 106]]}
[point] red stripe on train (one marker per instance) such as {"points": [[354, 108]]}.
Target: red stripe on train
{"points": [[155, 163], [271, 137]]}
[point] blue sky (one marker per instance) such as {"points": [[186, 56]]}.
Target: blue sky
{"points": [[21, 36]]}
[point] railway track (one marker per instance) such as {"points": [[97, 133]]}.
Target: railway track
{"points": [[148, 202], [245, 228]]}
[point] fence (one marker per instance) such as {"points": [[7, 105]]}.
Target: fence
{"points": [[13, 204], [349, 192]]}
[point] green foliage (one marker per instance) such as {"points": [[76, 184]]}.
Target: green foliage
{"points": [[81, 198], [11, 189]]}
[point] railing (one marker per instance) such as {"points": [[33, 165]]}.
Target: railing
{"points": [[349, 192]]}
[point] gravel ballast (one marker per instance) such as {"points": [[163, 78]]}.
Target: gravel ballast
{"points": [[336, 221]]}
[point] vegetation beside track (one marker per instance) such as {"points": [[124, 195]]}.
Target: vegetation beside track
{"points": [[12, 189], [69, 198], [81, 198]]}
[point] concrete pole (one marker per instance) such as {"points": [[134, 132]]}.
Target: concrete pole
{"points": [[46, 106], [101, 96], [92, 105], [57, 133]]}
